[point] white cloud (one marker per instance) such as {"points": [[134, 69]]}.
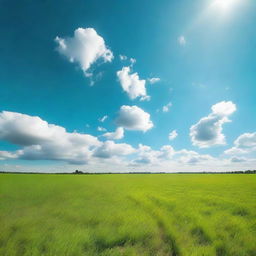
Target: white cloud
{"points": [[122, 57], [85, 48], [208, 131], [110, 149], [133, 61], [132, 84], [172, 135], [145, 155], [167, 154], [235, 151], [166, 108], [154, 80], [182, 40], [224, 108], [116, 135], [244, 144], [192, 157], [246, 141], [41, 140], [101, 129], [134, 118], [103, 119], [238, 159], [8, 155]]}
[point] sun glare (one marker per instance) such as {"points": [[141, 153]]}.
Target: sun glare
{"points": [[224, 5]]}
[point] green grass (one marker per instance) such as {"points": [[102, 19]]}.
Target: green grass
{"points": [[73, 215]]}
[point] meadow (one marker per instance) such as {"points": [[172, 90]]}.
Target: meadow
{"points": [[128, 214]]}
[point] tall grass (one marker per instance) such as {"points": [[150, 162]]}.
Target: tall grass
{"points": [[73, 215]]}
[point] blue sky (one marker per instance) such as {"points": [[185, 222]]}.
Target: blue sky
{"points": [[153, 68]]}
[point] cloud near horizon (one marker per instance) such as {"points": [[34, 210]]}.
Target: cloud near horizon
{"points": [[43, 141], [244, 144], [39, 140]]}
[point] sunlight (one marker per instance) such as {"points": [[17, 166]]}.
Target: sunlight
{"points": [[224, 5]]}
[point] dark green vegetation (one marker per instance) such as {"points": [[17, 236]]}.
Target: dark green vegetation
{"points": [[175, 214]]}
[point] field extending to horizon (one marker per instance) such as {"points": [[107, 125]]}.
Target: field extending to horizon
{"points": [[122, 214]]}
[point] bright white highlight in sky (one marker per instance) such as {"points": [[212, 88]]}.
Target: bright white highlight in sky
{"points": [[182, 40], [224, 5]]}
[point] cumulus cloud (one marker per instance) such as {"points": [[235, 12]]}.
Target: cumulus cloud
{"points": [[8, 155], [192, 157], [208, 131], [244, 144], [166, 108], [154, 80], [134, 118], [235, 151], [132, 84], [182, 40], [167, 154], [116, 135], [41, 140], [145, 155], [110, 149], [238, 159], [224, 108], [172, 135], [85, 48], [246, 141]]}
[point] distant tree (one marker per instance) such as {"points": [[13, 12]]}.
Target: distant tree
{"points": [[78, 172]]}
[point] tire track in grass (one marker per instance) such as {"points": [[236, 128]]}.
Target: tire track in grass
{"points": [[164, 233], [198, 233]]}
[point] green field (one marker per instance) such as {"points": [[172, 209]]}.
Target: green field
{"points": [[122, 214]]}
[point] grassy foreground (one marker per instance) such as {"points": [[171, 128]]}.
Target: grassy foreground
{"points": [[73, 215]]}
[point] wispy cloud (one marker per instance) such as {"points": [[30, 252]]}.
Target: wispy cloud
{"points": [[173, 135], [154, 80], [103, 119], [166, 108]]}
